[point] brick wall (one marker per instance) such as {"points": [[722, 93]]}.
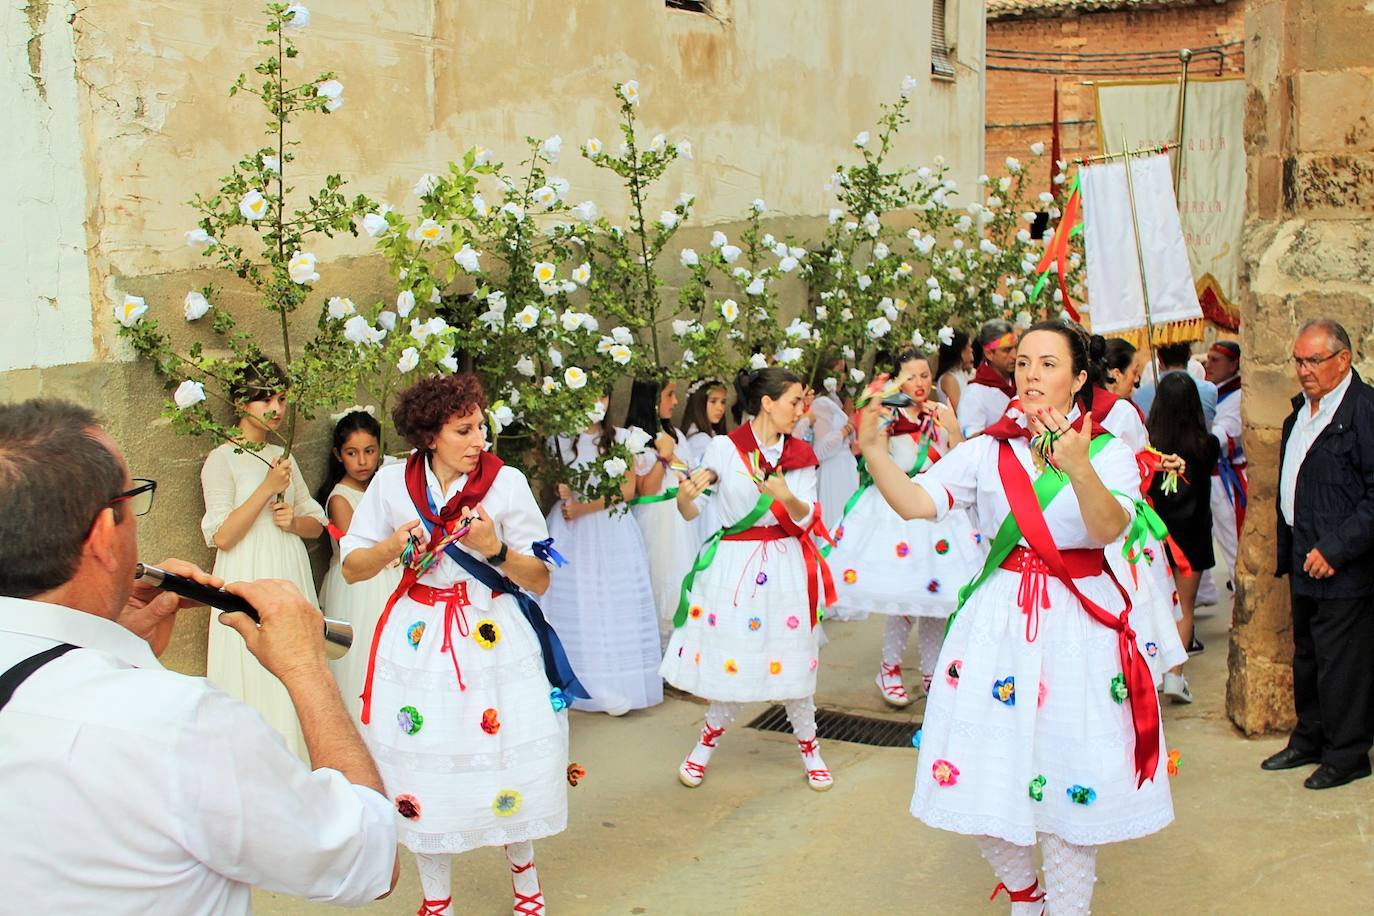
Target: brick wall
{"points": [[1019, 103]]}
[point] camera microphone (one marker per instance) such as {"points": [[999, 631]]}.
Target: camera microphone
{"points": [[338, 634]]}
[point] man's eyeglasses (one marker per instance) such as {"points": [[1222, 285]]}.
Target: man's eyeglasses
{"points": [[139, 497], [1312, 362]]}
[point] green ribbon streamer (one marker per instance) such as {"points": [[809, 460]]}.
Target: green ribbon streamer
{"points": [[707, 553], [866, 481], [1147, 525], [1047, 487], [670, 493]]}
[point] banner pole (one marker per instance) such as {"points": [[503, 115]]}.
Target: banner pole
{"points": [[1140, 259], [1184, 56]]}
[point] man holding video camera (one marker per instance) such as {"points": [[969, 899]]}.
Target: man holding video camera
{"points": [[128, 788]]}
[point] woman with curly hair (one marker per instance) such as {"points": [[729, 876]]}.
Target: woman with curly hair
{"points": [[466, 683]]}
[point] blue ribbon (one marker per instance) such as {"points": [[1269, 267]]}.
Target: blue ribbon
{"points": [[557, 668], [545, 551], [1230, 482]]}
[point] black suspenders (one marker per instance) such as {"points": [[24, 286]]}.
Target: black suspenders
{"points": [[11, 679]]}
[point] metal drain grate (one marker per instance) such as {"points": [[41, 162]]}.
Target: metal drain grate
{"points": [[833, 725]]}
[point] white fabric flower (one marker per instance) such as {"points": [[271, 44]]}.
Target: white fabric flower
{"points": [[585, 211], [881, 251], [987, 247], [405, 303], [549, 385], [831, 384], [410, 358], [582, 274], [514, 210], [755, 288], [253, 205], [622, 335], [856, 375], [332, 92], [798, 330], [758, 206], [788, 355], [684, 149], [419, 330], [195, 305], [847, 351], [878, 327], [296, 16], [188, 394], [574, 377], [301, 267], [1023, 318], [560, 186], [935, 294], [758, 361], [449, 363], [501, 416], [917, 340], [629, 91], [551, 148], [872, 224], [998, 300], [480, 155], [946, 335], [428, 233], [909, 85], [387, 320], [689, 257], [620, 353], [1013, 165], [555, 358], [357, 330], [544, 272], [199, 237], [659, 144], [527, 318], [730, 253], [597, 413], [865, 281], [593, 147], [341, 307], [525, 366], [615, 467], [544, 196], [787, 264], [835, 215], [861, 139], [467, 258], [426, 185]]}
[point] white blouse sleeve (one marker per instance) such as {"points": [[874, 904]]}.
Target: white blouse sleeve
{"points": [[217, 485], [521, 523], [952, 482], [1115, 466], [304, 504], [803, 484]]}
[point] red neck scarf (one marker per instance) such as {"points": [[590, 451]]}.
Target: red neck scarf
{"points": [[903, 425], [795, 453], [986, 375], [478, 484]]}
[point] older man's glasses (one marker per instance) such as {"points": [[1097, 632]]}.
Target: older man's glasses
{"points": [[1312, 362], [139, 496]]}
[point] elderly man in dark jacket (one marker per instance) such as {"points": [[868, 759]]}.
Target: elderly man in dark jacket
{"points": [[1326, 548]]}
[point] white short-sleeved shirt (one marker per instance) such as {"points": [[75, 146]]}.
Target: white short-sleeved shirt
{"points": [[735, 491], [129, 789], [386, 506], [980, 406], [1123, 421], [968, 478]]}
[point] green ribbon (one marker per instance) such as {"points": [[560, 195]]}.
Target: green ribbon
{"points": [[670, 493], [1047, 487], [1147, 525], [707, 553], [866, 481]]}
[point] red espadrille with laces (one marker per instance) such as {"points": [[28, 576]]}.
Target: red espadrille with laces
{"points": [[1029, 901], [817, 776], [435, 907], [693, 769], [526, 904], [889, 682]]}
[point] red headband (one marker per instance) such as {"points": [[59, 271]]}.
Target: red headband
{"points": [[1225, 348]]}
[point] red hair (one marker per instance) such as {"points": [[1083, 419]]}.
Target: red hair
{"points": [[422, 409]]}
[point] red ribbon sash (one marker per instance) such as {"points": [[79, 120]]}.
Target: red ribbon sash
{"points": [[1139, 682]]}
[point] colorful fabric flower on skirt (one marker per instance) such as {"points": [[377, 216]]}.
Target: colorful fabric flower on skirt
{"points": [[755, 624], [946, 774], [1152, 649], [576, 773], [952, 672], [408, 806], [1118, 688], [414, 633], [1082, 795], [1037, 788], [942, 547], [775, 667], [814, 663], [793, 622], [694, 611], [916, 739], [558, 700], [409, 719], [977, 537], [491, 724], [933, 586], [839, 534], [1041, 694], [1174, 757], [711, 619], [506, 803], [761, 579], [903, 549], [487, 634], [1004, 691], [731, 667], [850, 577]]}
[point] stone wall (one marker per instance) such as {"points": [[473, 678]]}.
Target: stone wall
{"points": [[1309, 252], [116, 113], [1020, 103]]}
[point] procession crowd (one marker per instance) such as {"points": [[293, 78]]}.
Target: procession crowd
{"points": [[1041, 506]]}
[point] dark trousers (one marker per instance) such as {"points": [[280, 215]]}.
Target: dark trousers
{"points": [[1333, 679]]}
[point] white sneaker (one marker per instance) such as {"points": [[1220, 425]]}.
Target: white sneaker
{"points": [[1176, 688], [616, 704]]}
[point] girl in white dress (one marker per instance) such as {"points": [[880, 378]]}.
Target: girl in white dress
{"points": [[704, 416], [832, 438], [908, 571], [466, 683], [1043, 724], [670, 540], [601, 602], [354, 458], [257, 511], [746, 629], [954, 369]]}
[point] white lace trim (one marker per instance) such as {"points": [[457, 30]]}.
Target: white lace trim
{"points": [[548, 748], [464, 840], [1025, 834]]}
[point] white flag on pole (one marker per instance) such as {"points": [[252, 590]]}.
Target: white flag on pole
{"points": [[1114, 288]]}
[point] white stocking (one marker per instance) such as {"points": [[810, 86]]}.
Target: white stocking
{"points": [[436, 881], [895, 633], [719, 716], [1014, 867], [802, 716], [1070, 872], [529, 898], [930, 633]]}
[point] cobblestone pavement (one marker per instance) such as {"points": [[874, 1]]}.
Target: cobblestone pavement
{"points": [[754, 840]]}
